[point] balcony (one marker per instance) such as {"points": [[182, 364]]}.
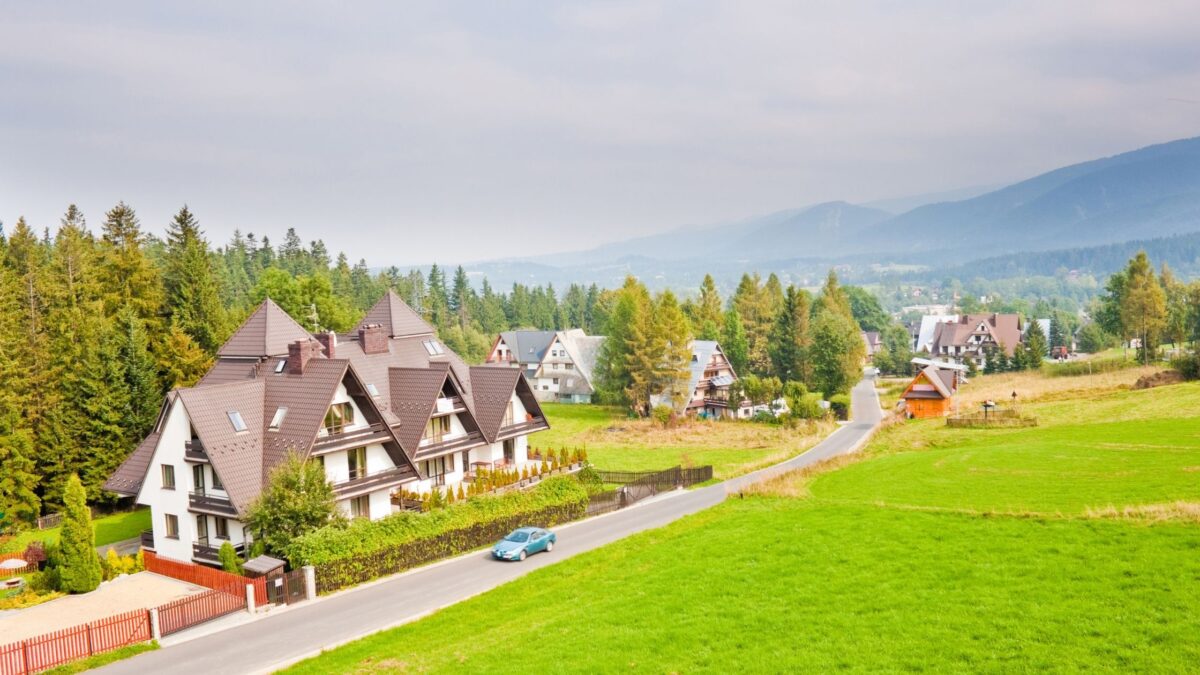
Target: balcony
{"points": [[352, 438], [530, 425], [448, 405], [193, 451], [369, 482], [148, 540], [202, 501], [440, 445], [208, 551]]}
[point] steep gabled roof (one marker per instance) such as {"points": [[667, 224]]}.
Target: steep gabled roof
{"points": [[236, 456], [266, 332], [127, 479], [396, 317], [528, 346], [584, 350], [493, 389], [307, 398], [414, 393], [933, 376]]}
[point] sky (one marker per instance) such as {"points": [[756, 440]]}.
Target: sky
{"points": [[406, 133]]}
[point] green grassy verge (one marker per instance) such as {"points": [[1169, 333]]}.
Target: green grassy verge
{"points": [[905, 560], [102, 659], [109, 530], [616, 443]]}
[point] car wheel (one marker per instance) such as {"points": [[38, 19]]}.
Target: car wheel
{"points": [[522, 556], [549, 546]]}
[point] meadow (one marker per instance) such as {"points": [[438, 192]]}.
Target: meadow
{"points": [[1065, 548], [616, 443]]}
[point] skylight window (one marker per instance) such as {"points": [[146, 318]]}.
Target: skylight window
{"points": [[235, 418], [277, 420], [280, 366], [372, 389], [433, 347]]}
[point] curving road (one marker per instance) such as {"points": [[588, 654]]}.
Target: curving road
{"points": [[304, 630]]}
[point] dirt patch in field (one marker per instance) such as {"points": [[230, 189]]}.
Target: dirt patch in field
{"points": [[1159, 379], [1174, 511]]}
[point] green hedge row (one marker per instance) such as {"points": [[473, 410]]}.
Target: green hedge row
{"points": [[554, 500]]}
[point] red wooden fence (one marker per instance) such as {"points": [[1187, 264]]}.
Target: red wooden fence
{"points": [[204, 576], [78, 642], [186, 612]]}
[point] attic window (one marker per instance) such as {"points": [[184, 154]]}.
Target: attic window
{"points": [[372, 389], [277, 420], [235, 418], [433, 347], [280, 366]]}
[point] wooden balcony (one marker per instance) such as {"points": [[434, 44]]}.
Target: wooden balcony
{"points": [[449, 405], [201, 501], [208, 550], [521, 428], [369, 482], [353, 438], [442, 446], [193, 451]]}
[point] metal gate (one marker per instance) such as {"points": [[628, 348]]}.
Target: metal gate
{"points": [[287, 589]]}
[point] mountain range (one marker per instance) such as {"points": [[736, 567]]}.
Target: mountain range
{"points": [[1143, 194]]}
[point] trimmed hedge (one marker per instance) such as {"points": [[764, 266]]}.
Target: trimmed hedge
{"points": [[367, 549]]}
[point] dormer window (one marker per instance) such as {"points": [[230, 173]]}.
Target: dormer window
{"points": [[235, 418], [372, 389], [280, 366], [277, 420]]}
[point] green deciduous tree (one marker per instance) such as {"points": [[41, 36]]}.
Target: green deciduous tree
{"points": [[297, 500], [1144, 306]]}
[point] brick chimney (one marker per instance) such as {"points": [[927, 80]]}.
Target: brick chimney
{"points": [[328, 340], [299, 354], [373, 339]]}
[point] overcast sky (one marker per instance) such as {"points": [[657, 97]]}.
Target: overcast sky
{"points": [[464, 131]]}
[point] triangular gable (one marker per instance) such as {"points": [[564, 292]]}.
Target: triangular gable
{"points": [[493, 389], [266, 332], [237, 457], [414, 396], [928, 376], [396, 317]]}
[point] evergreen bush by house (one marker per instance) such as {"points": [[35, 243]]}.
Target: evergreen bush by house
{"points": [[80, 570]]}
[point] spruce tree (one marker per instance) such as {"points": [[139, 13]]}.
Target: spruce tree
{"points": [[193, 299], [1035, 346], [80, 571], [790, 339], [128, 278], [734, 342], [709, 307], [1058, 336], [181, 362]]}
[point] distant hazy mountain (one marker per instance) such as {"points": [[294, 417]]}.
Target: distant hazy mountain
{"points": [[824, 230], [903, 204]]}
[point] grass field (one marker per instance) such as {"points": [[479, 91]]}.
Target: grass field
{"points": [[616, 443], [939, 550], [109, 530]]}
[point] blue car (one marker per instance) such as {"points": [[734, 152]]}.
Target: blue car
{"points": [[523, 542]]}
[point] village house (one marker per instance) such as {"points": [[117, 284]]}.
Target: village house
{"points": [[931, 393], [557, 364], [383, 408], [971, 336], [873, 342], [710, 380]]}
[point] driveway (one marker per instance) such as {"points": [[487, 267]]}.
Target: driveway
{"points": [[305, 630]]}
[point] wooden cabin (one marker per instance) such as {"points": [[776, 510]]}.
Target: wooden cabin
{"points": [[931, 393]]}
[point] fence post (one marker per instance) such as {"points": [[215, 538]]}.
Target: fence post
{"points": [[155, 632], [250, 598], [89, 638], [25, 655], [310, 582]]}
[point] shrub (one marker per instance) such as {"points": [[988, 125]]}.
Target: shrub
{"points": [[563, 459], [346, 549], [298, 499], [229, 559], [840, 405], [1188, 366], [80, 571], [764, 417], [590, 480], [663, 414]]}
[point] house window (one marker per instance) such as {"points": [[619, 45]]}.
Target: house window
{"points": [[372, 389], [433, 348], [320, 459], [340, 416], [168, 477], [437, 428], [508, 414], [198, 478], [217, 484], [556, 381], [569, 366], [202, 530], [360, 507], [172, 526], [235, 418], [280, 366], [277, 419], [510, 450], [222, 528], [438, 467], [357, 458]]}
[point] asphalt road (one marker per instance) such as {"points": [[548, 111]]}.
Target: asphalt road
{"points": [[301, 631]]}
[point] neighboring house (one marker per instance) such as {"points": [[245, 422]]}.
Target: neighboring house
{"points": [[382, 408], [971, 335], [872, 341], [557, 364], [925, 331], [711, 379], [931, 393]]}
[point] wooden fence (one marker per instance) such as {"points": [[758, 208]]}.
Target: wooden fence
{"points": [[204, 576], [187, 612], [638, 485], [78, 642]]}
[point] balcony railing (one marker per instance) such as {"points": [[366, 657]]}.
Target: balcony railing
{"points": [[209, 550], [447, 405], [148, 539], [366, 482], [193, 451], [201, 500], [375, 433], [444, 444], [535, 424]]}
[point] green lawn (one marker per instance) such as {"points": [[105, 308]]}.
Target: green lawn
{"points": [[109, 530], [903, 561], [617, 443]]}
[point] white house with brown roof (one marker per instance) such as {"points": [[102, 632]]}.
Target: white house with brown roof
{"points": [[970, 336], [558, 364], [384, 407]]}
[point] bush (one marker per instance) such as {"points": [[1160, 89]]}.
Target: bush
{"points": [[663, 414], [764, 417], [229, 559], [590, 480], [1188, 366], [839, 404], [80, 571], [555, 499], [115, 565]]}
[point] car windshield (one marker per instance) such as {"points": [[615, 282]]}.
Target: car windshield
{"points": [[518, 537]]}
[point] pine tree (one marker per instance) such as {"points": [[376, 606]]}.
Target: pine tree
{"points": [[181, 362], [437, 302], [18, 473], [790, 339], [708, 310], [612, 373], [734, 341], [80, 571], [1035, 345], [193, 299], [128, 278], [460, 298], [1058, 336], [141, 373]]}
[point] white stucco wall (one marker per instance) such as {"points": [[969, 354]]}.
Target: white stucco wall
{"points": [[175, 432]]}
